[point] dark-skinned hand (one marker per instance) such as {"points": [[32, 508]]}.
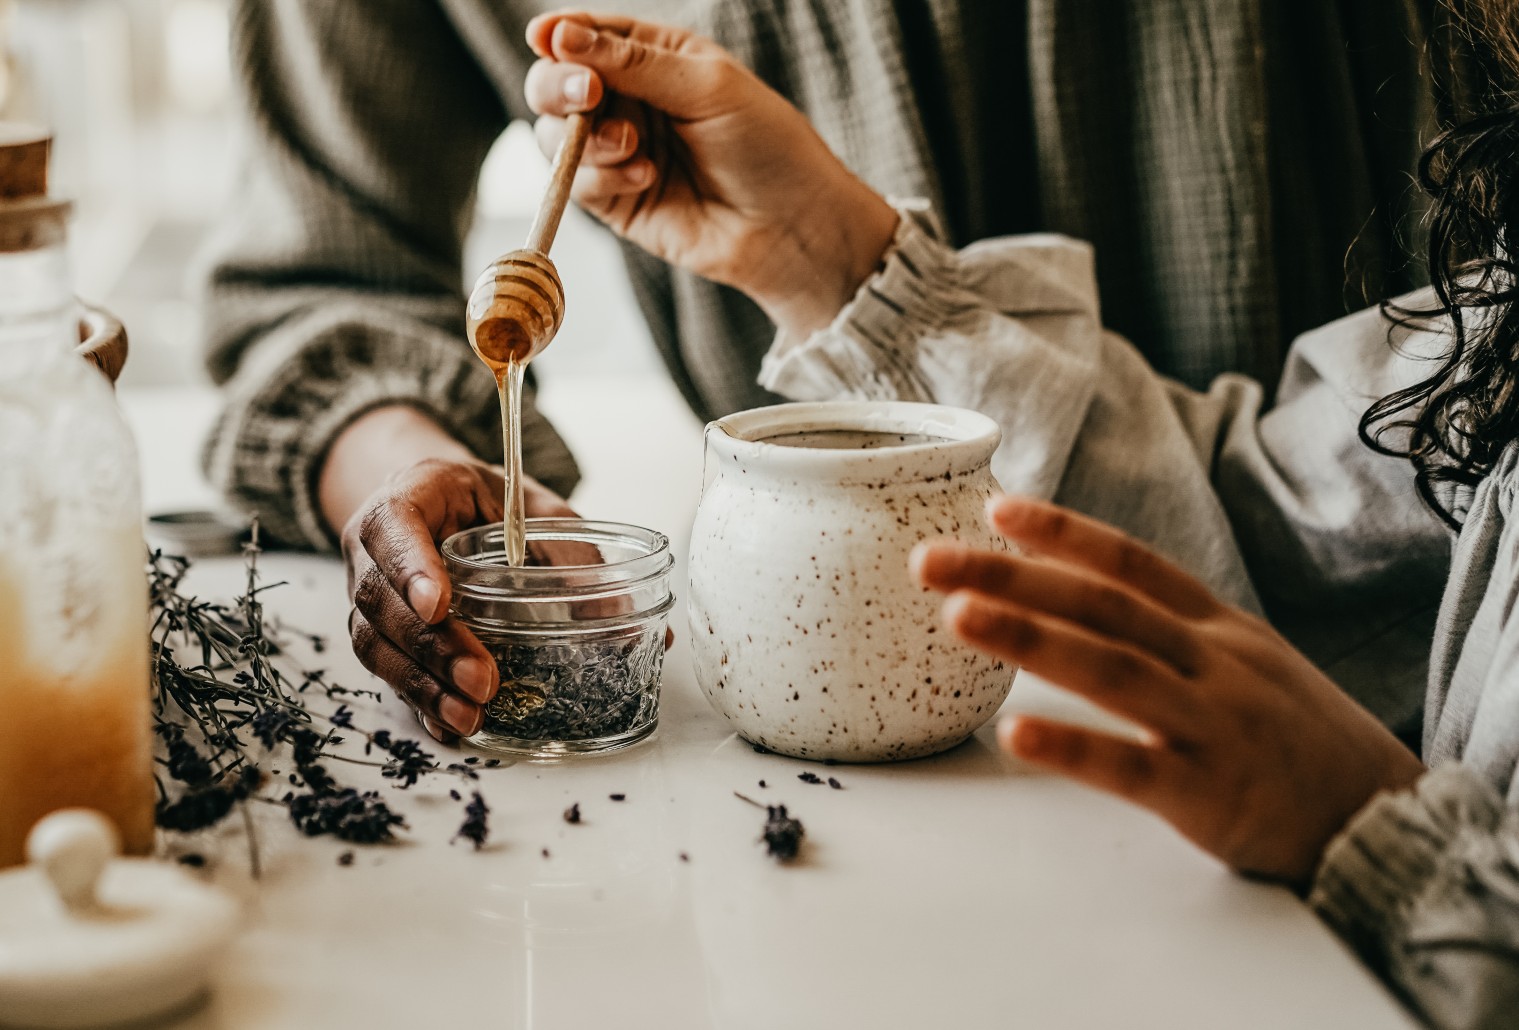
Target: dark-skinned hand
{"points": [[400, 624]]}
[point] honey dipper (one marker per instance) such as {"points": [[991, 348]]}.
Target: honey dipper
{"points": [[514, 310], [517, 304]]}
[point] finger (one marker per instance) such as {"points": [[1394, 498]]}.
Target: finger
{"points": [[1144, 774], [541, 502], [398, 539], [561, 87], [1062, 534], [1111, 674], [446, 650], [613, 141], [411, 682], [437, 732], [596, 187], [1063, 591], [540, 31], [683, 80]]}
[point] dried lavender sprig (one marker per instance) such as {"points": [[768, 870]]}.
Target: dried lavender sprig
{"points": [[238, 687]]}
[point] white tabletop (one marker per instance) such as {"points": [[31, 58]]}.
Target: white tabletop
{"points": [[954, 891]]}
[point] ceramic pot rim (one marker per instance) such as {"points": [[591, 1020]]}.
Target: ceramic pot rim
{"points": [[965, 441]]}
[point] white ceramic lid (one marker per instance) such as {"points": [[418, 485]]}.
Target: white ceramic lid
{"points": [[90, 939]]}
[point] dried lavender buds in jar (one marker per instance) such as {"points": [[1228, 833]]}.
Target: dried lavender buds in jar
{"points": [[573, 689], [577, 634]]}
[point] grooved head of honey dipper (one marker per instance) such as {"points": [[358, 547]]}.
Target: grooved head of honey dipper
{"points": [[515, 309]]}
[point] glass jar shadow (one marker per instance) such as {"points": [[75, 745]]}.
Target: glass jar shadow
{"points": [[577, 633]]}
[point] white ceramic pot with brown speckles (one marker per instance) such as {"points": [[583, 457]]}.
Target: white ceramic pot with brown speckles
{"points": [[807, 631]]}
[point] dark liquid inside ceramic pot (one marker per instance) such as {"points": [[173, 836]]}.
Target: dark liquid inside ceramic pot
{"points": [[850, 440]]}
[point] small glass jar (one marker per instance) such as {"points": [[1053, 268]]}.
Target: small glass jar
{"points": [[578, 633]]}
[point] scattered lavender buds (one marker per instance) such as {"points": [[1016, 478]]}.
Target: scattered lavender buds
{"points": [[193, 860], [475, 827], [346, 858], [762, 784], [783, 834], [572, 814], [618, 797], [834, 783], [346, 814], [206, 804], [810, 777]]}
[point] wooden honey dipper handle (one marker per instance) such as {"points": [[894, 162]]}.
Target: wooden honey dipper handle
{"points": [[577, 129]]}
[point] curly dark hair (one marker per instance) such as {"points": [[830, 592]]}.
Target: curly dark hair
{"points": [[1454, 424]]}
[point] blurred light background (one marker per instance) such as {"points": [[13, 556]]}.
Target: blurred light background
{"points": [[139, 96]]}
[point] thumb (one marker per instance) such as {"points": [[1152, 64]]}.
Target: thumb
{"points": [[663, 67]]}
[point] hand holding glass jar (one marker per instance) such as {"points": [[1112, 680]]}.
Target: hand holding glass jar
{"points": [[400, 589]]}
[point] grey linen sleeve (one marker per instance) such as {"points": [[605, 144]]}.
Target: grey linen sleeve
{"points": [[1280, 508], [1424, 885], [1010, 327], [335, 280]]}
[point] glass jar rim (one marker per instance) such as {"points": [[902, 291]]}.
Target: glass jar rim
{"points": [[470, 568]]}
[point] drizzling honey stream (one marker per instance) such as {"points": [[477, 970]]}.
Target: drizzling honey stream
{"points": [[514, 310]]}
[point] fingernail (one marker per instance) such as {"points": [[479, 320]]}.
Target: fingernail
{"points": [[577, 87], [915, 561], [423, 596], [458, 715], [474, 678], [434, 730], [575, 38], [962, 614], [614, 135]]}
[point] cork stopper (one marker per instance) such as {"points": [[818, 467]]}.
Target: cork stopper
{"points": [[29, 220], [23, 160]]}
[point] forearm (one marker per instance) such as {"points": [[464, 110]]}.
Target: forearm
{"points": [[802, 281], [371, 449]]}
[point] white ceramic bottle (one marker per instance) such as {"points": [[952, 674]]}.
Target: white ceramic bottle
{"points": [[807, 632], [74, 667]]}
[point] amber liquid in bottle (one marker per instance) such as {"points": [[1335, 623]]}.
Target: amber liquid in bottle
{"points": [[76, 725]]}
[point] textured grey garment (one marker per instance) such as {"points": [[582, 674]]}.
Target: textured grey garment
{"points": [[1424, 884], [1223, 155], [1282, 509], [336, 283], [1242, 167], [1284, 503]]}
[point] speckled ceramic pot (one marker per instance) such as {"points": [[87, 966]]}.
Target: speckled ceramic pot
{"points": [[807, 632]]}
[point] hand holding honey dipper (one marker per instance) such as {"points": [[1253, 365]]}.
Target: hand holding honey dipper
{"points": [[699, 162]]}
